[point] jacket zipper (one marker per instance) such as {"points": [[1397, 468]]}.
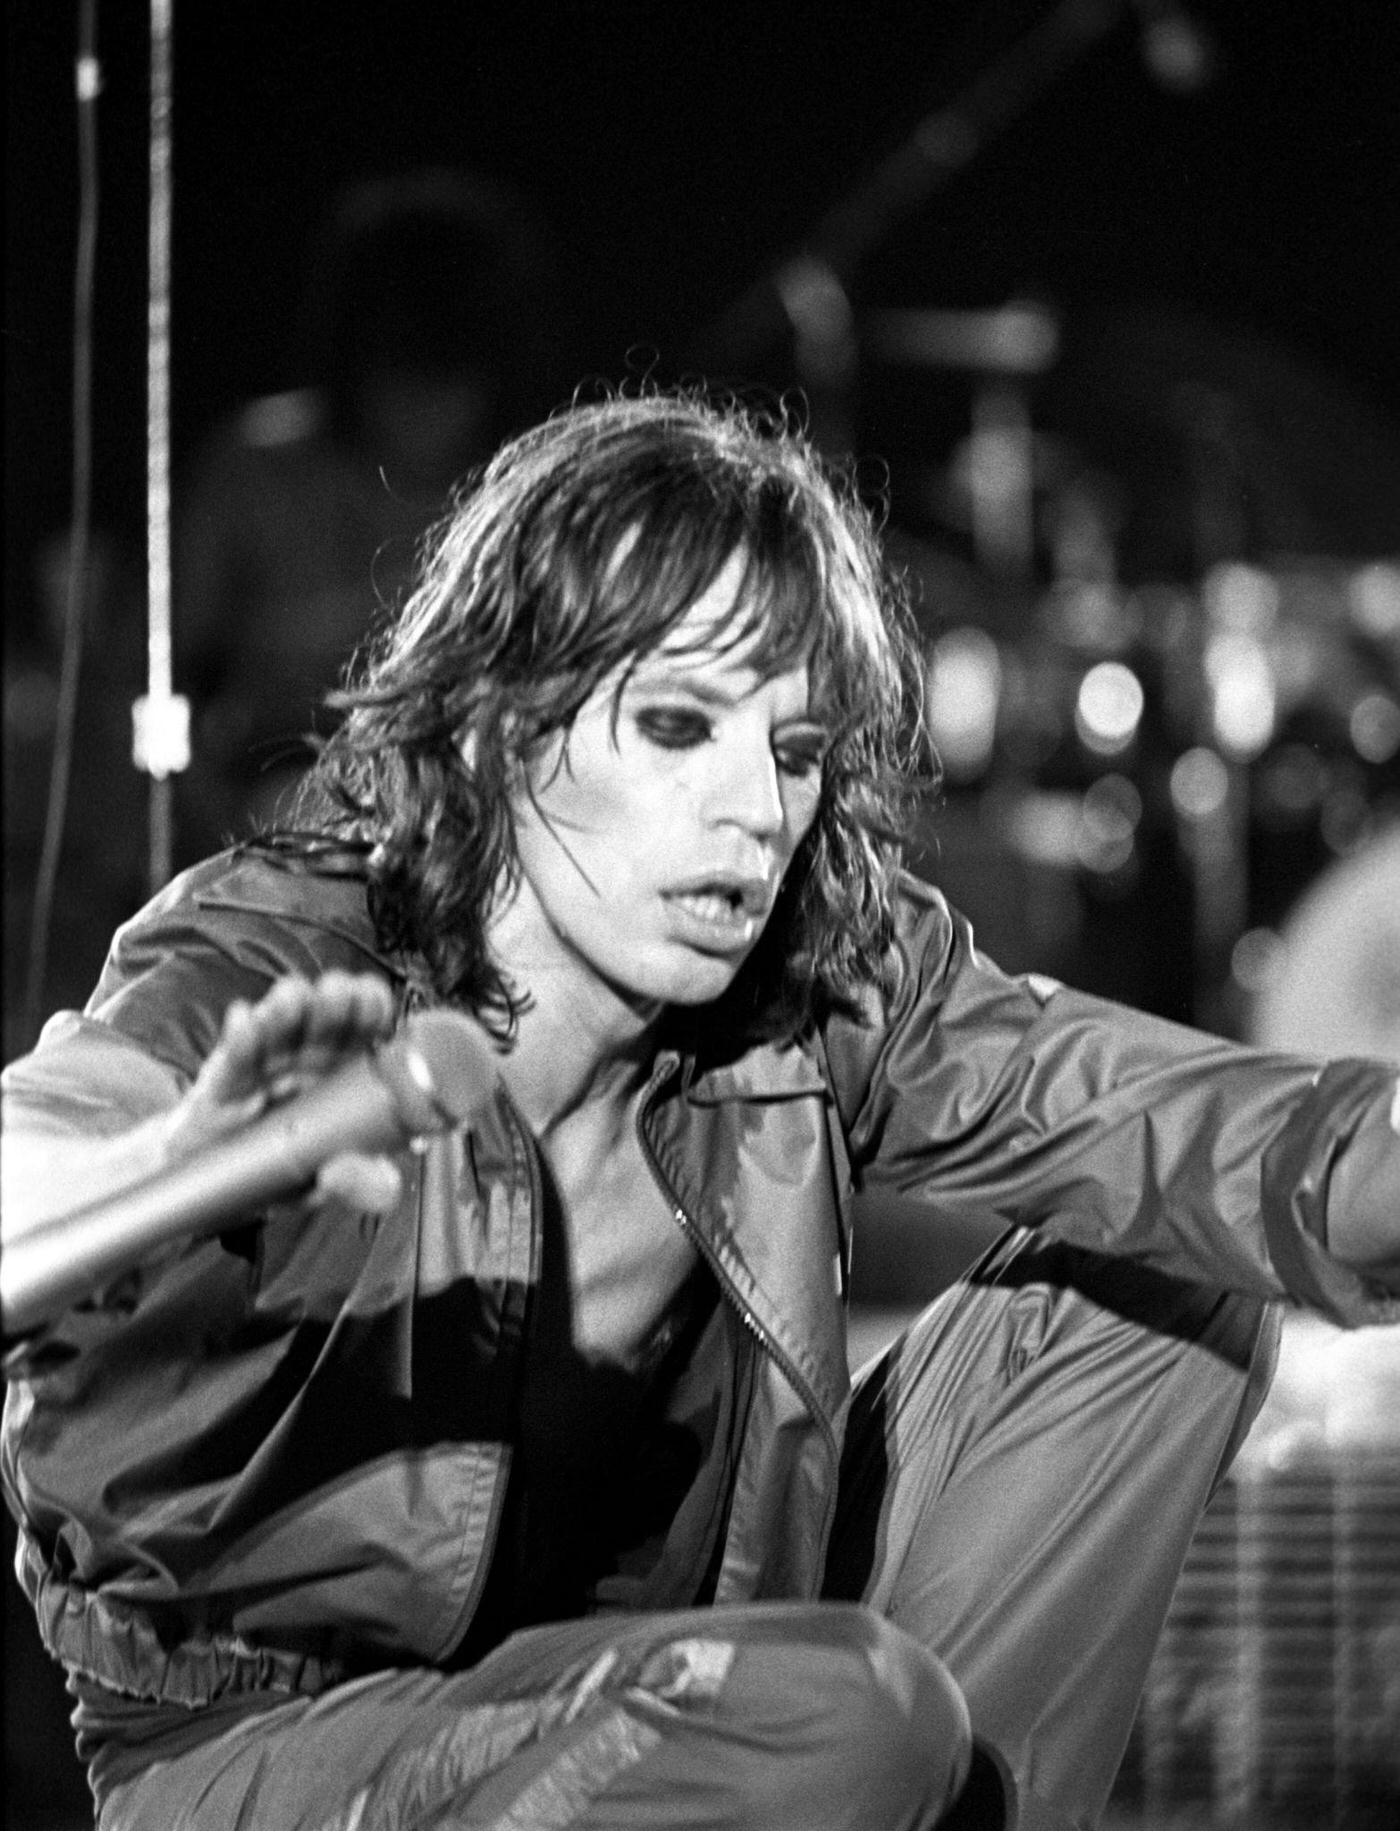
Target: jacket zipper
{"points": [[466, 1614], [661, 1074]]}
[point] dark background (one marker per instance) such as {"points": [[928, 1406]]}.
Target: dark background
{"points": [[678, 150], [1243, 235], [1224, 253]]}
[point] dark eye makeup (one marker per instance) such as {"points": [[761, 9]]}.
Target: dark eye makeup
{"points": [[674, 727], [798, 753]]}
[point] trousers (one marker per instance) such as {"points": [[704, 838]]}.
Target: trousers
{"points": [[1023, 1471]]}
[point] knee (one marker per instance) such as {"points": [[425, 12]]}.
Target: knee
{"points": [[895, 1731]]}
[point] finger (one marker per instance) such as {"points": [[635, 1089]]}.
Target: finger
{"points": [[230, 1088], [341, 1018], [304, 1027], [369, 1185], [296, 1033], [233, 1068], [377, 1008], [278, 1022], [330, 1014], [347, 1010]]}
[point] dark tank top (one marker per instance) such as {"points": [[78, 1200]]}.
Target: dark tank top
{"points": [[594, 1470]]}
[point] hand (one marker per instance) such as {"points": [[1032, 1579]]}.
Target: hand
{"points": [[1363, 1200], [270, 1051]]}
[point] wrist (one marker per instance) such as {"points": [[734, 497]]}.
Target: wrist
{"points": [[1363, 1194]]}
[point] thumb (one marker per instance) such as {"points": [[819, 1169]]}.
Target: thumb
{"points": [[369, 1185]]}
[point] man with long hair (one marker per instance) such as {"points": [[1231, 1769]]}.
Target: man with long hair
{"points": [[517, 1478]]}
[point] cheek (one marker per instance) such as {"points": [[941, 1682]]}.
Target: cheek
{"points": [[599, 834], [801, 807]]}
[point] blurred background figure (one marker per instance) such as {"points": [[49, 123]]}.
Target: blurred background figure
{"points": [[427, 334]]}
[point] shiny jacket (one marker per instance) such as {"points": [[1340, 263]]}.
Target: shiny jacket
{"points": [[275, 1458]]}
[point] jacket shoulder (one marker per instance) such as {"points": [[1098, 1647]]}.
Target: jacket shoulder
{"points": [[923, 916], [852, 1040], [229, 928]]}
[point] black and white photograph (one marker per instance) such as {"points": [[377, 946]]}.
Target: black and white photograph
{"points": [[701, 1027]]}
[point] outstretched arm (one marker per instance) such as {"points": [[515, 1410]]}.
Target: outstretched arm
{"points": [[979, 1093]]}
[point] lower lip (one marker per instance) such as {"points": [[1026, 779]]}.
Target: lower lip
{"points": [[730, 932]]}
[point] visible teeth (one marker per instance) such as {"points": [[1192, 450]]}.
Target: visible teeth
{"points": [[713, 905]]}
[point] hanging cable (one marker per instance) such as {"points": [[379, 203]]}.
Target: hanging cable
{"points": [[88, 75], [161, 719]]}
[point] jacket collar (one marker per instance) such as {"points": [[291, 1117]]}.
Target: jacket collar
{"points": [[765, 1071]]}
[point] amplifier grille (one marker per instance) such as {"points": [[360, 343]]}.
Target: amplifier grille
{"points": [[1274, 1695]]}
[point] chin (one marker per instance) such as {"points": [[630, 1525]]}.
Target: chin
{"points": [[696, 981], [696, 997]]}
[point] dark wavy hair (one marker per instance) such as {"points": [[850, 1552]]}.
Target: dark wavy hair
{"points": [[575, 553]]}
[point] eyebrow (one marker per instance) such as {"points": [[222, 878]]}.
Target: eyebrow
{"points": [[706, 691]]}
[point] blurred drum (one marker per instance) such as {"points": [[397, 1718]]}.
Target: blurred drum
{"points": [[1335, 989]]}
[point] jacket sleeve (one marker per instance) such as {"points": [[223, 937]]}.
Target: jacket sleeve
{"points": [[988, 1096]]}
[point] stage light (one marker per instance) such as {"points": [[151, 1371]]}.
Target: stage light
{"points": [[964, 695], [1200, 784], [1243, 696], [1109, 817], [1374, 726], [1109, 708], [1374, 595]]}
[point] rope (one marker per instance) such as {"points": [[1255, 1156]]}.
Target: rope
{"points": [[88, 76]]}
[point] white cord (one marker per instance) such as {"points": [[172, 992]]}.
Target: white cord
{"points": [[161, 720]]}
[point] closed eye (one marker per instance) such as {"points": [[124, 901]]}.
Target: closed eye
{"points": [[802, 757], [798, 753]]}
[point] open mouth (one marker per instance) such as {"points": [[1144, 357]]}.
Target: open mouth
{"points": [[714, 904]]}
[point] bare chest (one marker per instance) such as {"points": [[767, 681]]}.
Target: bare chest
{"points": [[625, 1253]]}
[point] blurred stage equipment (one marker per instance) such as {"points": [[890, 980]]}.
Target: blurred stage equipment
{"points": [[1002, 350], [943, 144], [1242, 734], [1124, 756], [1274, 1695]]}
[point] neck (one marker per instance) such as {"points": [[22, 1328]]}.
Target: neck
{"points": [[575, 1049]]}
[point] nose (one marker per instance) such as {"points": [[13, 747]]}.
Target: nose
{"points": [[745, 789]]}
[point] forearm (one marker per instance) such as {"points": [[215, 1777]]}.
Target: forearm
{"points": [[1363, 1197], [47, 1174]]}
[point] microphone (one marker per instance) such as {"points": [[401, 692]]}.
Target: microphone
{"points": [[429, 1078]]}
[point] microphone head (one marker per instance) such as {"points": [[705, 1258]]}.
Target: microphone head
{"points": [[441, 1068]]}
